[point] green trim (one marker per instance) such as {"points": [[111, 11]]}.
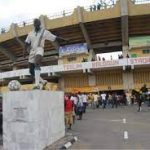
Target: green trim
{"points": [[140, 41]]}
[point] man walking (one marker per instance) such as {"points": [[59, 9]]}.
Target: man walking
{"points": [[34, 44], [104, 100]]}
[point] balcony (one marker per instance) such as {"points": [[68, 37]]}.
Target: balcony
{"points": [[94, 65]]}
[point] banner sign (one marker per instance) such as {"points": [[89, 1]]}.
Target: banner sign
{"points": [[141, 41], [140, 61], [99, 64], [73, 49], [70, 67]]}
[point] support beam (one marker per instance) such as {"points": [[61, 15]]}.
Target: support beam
{"points": [[42, 19], [56, 46], [83, 28], [61, 83], [85, 34], [25, 62], [15, 34], [124, 26], [51, 53], [8, 54], [109, 44], [48, 53]]}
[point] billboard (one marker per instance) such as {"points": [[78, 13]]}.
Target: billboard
{"points": [[140, 41], [73, 49]]}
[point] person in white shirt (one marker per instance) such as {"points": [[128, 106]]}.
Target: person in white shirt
{"points": [[104, 101], [74, 98], [84, 97], [95, 100], [80, 106], [34, 44]]}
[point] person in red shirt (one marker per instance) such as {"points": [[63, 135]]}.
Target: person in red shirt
{"points": [[68, 112]]}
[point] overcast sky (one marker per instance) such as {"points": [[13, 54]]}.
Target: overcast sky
{"points": [[20, 10]]}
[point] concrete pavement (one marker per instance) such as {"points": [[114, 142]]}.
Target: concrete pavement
{"points": [[122, 128]]}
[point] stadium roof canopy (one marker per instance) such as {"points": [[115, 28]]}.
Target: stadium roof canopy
{"points": [[101, 28]]}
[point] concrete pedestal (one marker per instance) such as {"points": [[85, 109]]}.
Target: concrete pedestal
{"points": [[32, 120]]}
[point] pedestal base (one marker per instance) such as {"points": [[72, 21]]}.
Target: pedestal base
{"points": [[32, 120]]}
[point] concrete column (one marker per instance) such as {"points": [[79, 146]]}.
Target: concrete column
{"points": [[15, 67], [128, 82], [92, 80], [83, 27], [61, 83], [124, 26], [15, 34], [91, 54], [42, 19], [125, 50]]}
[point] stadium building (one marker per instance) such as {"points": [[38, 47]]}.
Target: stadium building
{"points": [[121, 27]]}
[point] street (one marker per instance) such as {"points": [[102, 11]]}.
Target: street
{"points": [[121, 128]]}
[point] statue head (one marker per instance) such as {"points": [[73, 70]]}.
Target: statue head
{"points": [[37, 24]]}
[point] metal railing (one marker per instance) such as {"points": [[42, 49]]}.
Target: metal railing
{"points": [[24, 23], [61, 14]]}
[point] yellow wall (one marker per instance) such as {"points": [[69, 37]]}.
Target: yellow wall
{"points": [[82, 89], [61, 22], [140, 77], [141, 9], [104, 81], [102, 14], [79, 58], [50, 86], [139, 52], [109, 79], [76, 80], [6, 36]]}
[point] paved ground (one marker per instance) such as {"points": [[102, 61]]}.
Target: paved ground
{"points": [[122, 128]]}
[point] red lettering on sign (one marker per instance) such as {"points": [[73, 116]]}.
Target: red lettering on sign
{"points": [[98, 64], [140, 60], [72, 67]]}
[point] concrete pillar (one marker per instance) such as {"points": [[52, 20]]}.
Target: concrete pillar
{"points": [[83, 27], [42, 19], [13, 28], [125, 50], [92, 80], [61, 83], [124, 26], [15, 67], [128, 82], [91, 54], [32, 120]]}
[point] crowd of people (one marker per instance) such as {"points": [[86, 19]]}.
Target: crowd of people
{"points": [[99, 58], [76, 104], [101, 5], [142, 96]]}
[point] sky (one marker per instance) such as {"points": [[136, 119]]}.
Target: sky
{"points": [[16, 11]]}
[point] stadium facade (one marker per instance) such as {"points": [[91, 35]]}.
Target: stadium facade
{"points": [[123, 27]]}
